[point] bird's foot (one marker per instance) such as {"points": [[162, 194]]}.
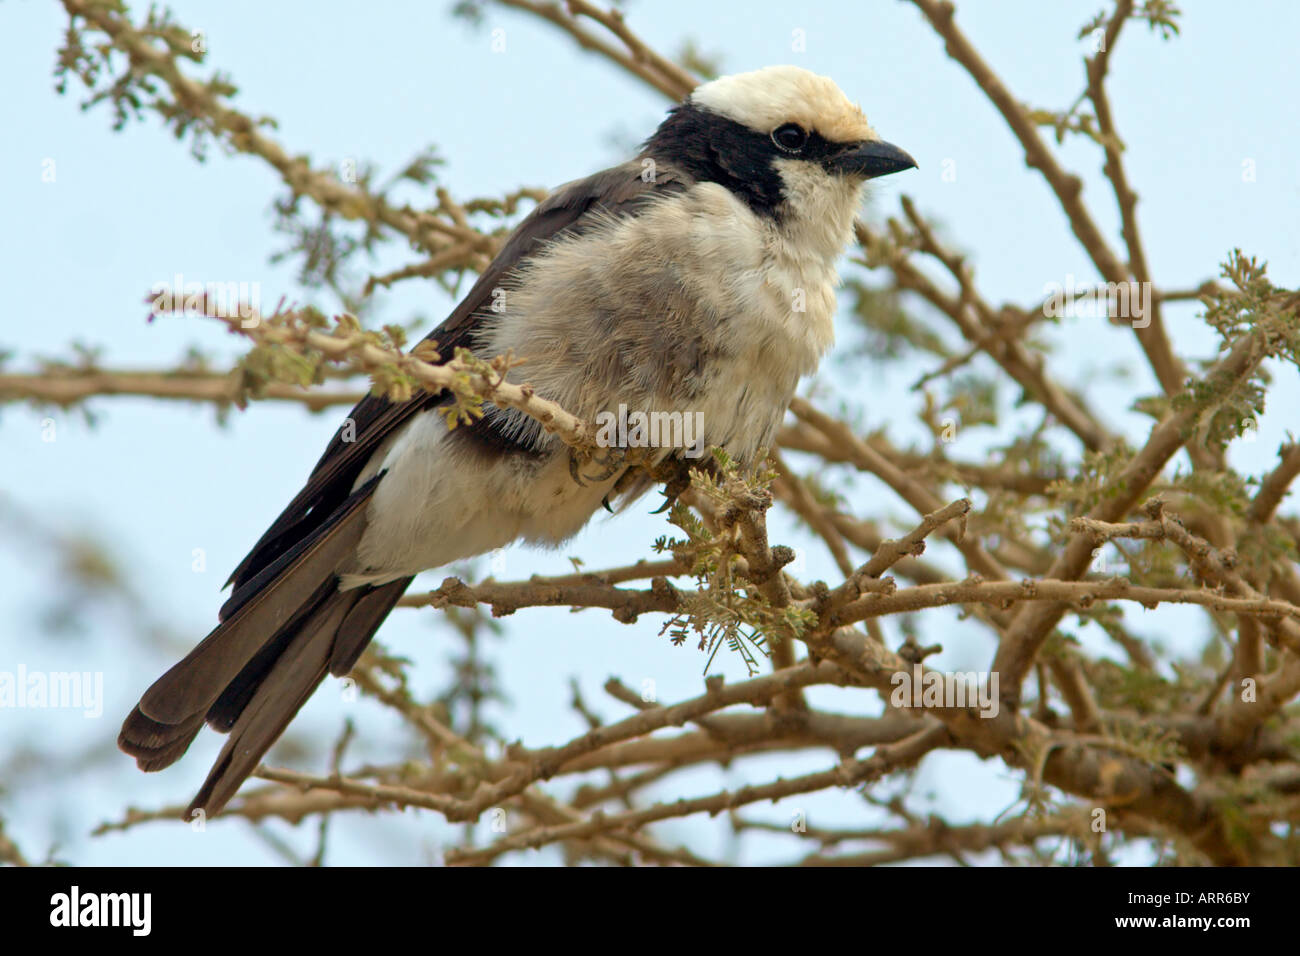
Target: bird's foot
{"points": [[608, 461], [675, 475]]}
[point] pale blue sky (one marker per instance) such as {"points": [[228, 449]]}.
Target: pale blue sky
{"points": [[378, 82]]}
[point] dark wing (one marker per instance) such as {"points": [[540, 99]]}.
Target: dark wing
{"points": [[619, 191]]}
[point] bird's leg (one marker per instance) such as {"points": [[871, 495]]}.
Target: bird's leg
{"points": [[610, 461], [675, 474]]}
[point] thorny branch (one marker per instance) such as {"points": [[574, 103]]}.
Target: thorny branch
{"points": [[1009, 540]]}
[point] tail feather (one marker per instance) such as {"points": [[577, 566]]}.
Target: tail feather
{"points": [[196, 682], [156, 745], [226, 709], [280, 634], [292, 679], [372, 606]]}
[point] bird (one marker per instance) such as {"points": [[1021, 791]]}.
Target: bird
{"points": [[698, 277]]}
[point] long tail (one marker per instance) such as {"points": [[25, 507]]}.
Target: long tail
{"points": [[281, 633]]}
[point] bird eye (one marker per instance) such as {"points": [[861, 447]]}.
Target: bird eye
{"points": [[790, 137]]}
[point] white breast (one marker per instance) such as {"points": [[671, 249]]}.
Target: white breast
{"points": [[697, 281], [697, 286]]}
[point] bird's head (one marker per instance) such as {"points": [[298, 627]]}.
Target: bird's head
{"points": [[787, 142]]}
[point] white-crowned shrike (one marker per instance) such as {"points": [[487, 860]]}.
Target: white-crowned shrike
{"points": [[697, 278]]}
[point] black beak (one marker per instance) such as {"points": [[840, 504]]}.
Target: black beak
{"points": [[872, 159]]}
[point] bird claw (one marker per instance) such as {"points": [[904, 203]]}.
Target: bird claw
{"points": [[610, 462], [675, 473], [573, 470]]}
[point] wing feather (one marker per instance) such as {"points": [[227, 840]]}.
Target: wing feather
{"points": [[620, 191]]}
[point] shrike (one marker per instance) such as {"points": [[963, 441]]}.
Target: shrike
{"points": [[698, 278]]}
